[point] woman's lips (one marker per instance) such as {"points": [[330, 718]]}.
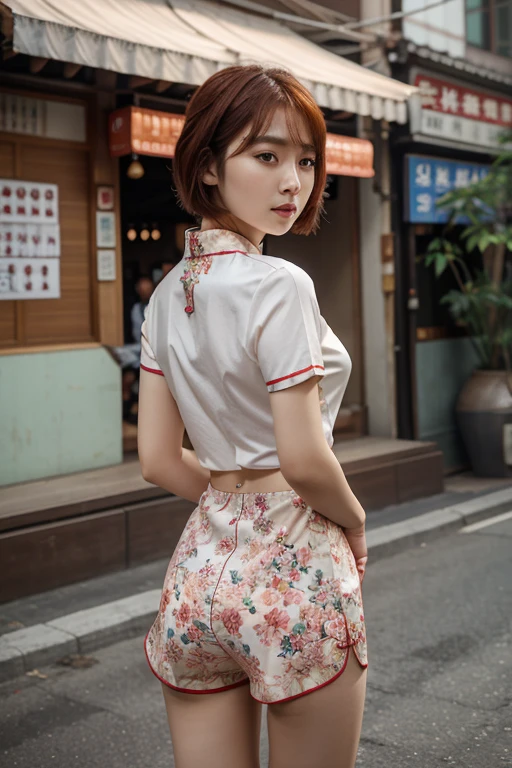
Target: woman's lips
{"points": [[285, 212]]}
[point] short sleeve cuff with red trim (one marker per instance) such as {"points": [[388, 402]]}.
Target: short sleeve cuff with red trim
{"points": [[147, 356], [285, 328], [297, 377]]}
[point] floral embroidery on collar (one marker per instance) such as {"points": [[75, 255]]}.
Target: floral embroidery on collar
{"points": [[200, 247], [198, 263]]}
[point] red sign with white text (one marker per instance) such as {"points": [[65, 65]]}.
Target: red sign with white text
{"points": [[442, 96]]}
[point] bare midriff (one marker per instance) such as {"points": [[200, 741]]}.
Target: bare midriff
{"points": [[249, 480]]}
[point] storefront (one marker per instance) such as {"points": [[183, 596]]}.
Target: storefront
{"points": [[63, 405], [451, 141], [62, 384], [56, 306]]}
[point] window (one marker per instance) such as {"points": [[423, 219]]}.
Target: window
{"points": [[489, 25]]}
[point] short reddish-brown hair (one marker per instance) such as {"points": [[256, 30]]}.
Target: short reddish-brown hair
{"points": [[221, 108]]}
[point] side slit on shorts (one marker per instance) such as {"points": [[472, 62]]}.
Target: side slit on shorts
{"points": [[260, 590]]}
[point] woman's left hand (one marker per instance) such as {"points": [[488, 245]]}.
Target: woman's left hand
{"points": [[356, 538]]}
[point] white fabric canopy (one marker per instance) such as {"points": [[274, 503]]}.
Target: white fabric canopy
{"points": [[186, 41]]}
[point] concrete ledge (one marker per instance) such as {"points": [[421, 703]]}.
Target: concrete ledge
{"points": [[38, 645], [110, 622], [11, 662], [491, 504], [87, 630], [390, 539]]}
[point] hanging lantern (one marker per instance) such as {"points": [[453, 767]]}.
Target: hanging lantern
{"points": [[135, 170]]}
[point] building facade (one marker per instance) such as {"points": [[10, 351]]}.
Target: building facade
{"points": [[63, 408], [458, 55]]}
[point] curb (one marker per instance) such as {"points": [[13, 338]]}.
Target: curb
{"points": [[94, 628], [391, 539], [80, 632]]}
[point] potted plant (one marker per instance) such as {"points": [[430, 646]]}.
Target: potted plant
{"points": [[482, 303]]}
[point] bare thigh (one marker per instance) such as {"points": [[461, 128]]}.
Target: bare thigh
{"points": [[220, 730], [321, 728]]}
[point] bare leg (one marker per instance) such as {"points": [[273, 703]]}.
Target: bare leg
{"points": [[322, 728], [220, 730]]}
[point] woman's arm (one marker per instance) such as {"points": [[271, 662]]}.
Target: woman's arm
{"points": [[164, 462], [306, 461]]}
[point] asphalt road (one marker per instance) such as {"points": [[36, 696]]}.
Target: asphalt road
{"points": [[440, 677]]}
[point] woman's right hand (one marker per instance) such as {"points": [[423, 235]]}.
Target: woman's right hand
{"points": [[356, 538]]}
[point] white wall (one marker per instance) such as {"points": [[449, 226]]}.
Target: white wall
{"points": [[442, 28]]}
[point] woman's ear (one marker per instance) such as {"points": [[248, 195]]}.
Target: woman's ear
{"points": [[210, 176]]}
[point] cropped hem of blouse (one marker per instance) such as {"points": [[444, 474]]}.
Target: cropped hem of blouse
{"points": [[226, 327]]}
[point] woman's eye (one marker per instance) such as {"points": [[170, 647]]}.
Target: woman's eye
{"points": [[266, 154]]}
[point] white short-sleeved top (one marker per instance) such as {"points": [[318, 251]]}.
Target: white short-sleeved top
{"points": [[227, 326]]}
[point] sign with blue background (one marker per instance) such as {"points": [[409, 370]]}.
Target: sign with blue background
{"points": [[429, 178]]}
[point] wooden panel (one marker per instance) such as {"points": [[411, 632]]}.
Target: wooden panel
{"points": [[109, 294], [68, 318], [7, 323], [421, 476], [7, 308], [374, 487], [48, 556], [154, 528]]}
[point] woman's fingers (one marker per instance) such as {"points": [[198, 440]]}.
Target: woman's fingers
{"points": [[361, 567]]}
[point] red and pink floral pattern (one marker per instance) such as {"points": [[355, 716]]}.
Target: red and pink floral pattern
{"points": [[197, 263], [260, 589]]}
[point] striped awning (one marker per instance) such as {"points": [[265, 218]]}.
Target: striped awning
{"points": [[186, 41]]}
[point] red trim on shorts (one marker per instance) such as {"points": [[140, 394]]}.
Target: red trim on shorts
{"points": [[311, 690], [296, 373], [151, 370], [188, 690]]}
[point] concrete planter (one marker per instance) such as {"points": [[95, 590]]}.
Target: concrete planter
{"points": [[484, 417]]}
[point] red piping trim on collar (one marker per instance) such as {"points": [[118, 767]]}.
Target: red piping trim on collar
{"points": [[216, 253]]}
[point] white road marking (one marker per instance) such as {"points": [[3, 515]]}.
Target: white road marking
{"points": [[485, 523]]}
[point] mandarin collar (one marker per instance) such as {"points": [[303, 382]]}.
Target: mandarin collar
{"points": [[215, 242]]}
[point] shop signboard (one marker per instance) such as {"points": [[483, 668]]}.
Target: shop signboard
{"points": [[428, 179], [29, 240], [452, 112], [47, 118], [152, 132]]}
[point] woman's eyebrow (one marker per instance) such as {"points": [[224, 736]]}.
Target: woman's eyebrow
{"points": [[281, 141]]}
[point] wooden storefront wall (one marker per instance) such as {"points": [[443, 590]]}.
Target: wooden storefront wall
{"points": [[87, 312]]}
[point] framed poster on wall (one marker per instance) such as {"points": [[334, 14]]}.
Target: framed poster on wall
{"points": [[29, 240], [105, 230]]}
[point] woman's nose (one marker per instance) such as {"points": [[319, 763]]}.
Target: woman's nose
{"points": [[291, 181]]}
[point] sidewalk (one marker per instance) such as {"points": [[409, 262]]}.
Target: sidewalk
{"points": [[77, 619]]}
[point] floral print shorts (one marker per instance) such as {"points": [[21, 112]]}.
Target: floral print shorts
{"points": [[261, 589]]}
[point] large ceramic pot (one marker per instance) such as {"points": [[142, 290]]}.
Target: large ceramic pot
{"points": [[484, 416]]}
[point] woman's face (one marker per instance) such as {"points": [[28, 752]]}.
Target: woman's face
{"points": [[268, 174]]}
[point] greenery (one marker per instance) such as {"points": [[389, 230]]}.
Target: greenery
{"points": [[481, 303]]}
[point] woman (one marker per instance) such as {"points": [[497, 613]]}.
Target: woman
{"points": [[262, 598]]}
